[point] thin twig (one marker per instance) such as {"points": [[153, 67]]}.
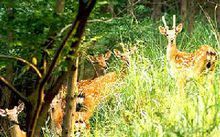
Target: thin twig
{"points": [[101, 20], [23, 61], [14, 90], [214, 3], [128, 7], [213, 27], [83, 9]]}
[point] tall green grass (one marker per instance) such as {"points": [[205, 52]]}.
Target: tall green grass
{"points": [[146, 101]]}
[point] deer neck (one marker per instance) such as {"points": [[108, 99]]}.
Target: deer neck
{"points": [[171, 50], [15, 131]]}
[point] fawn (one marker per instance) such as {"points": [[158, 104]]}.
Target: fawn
{"points": [[182, 65], [56, 112], [12, 115], [99, 66], [87, 98], [90, 94]]}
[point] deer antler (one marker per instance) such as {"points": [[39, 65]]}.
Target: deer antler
{"points": [[164, 22], [174, 21]]}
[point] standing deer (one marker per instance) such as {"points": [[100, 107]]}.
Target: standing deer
{"points": [[90, 94], [12, 115], [182, 65], [89, 97], [86, 100]]}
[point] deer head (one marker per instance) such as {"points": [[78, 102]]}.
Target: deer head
{"points": [[125, 56], [101, 59], [100, 62], [12, 114], [171, 34]]}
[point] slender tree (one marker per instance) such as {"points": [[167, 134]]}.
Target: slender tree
{"points": [[37, 103], [156, 14]]}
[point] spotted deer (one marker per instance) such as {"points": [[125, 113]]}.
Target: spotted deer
{"points": [[182, 65], [99, 63], [90, 94], [56, 112], [125, 56], [12, 115], [87, 98]]}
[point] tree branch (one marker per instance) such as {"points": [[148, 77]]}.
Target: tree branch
{"points": [[3, 81], [49, 96], [137, 2], [23, 61], [84, 9]]}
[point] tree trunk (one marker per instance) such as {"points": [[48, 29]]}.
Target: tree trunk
{"points": [[81, 69], [183, 7], [38, 102], [156, 14], [10, 14], [78, 27], [7, 97], [191, 13], [68, 126]]}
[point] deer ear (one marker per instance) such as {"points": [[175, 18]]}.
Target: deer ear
{"points": [[117, 53], [108, 55], [20, 107], [2, 113], [162, 30], [92, 59], [179, 28]]}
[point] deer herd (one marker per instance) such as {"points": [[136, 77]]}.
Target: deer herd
{"points": [[182, 66]]}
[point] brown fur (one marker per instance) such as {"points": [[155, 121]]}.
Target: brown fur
{"points": [[12, 115], [89, 97], [184, 66]]}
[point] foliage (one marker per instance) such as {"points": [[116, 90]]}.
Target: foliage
{"points": [[145, 102]]}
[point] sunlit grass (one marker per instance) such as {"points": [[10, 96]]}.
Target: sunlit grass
{"points": [[146, 101]]}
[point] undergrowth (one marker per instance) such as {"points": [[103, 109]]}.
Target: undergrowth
{"points": [[146, 101]]}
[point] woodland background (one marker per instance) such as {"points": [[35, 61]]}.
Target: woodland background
{"points": [[144, 103]]}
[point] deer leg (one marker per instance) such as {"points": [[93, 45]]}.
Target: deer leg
{"points": [[210, 80], [180, 86]]}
